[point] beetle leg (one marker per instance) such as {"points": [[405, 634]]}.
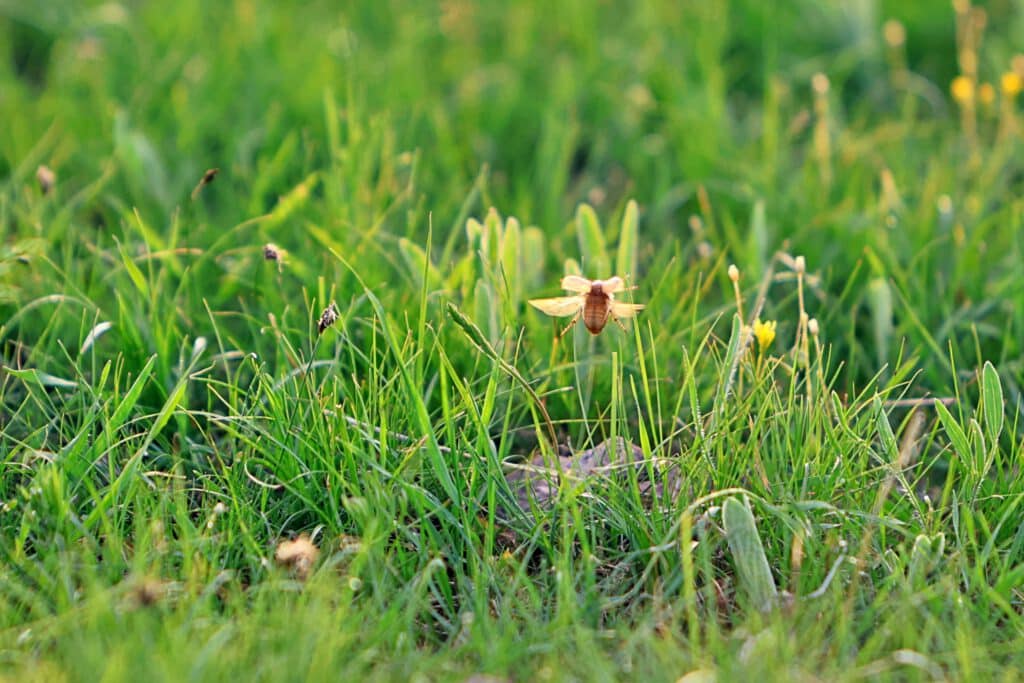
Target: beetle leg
{"points": [[575, 319]]}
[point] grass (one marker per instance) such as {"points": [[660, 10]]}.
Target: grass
{"points": [[841, 502]]}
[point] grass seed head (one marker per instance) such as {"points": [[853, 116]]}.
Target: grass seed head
{"points": [[46, 178], [207, 178], [327, 318], [271, 252]]}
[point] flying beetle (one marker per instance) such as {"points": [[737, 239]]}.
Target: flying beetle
{"points": [[593, 301]]}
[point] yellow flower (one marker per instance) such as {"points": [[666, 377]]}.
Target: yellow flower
{"points": [[962, 89], [986, 94], [1012, 84], [764, 332]]}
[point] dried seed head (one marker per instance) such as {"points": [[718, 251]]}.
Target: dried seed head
{"points": [[46, 178], [800, 265], [820, 84], [969, 63], [812, 327], [734, 273], [204, 181], [979, 17], [272, 252], [298, 555], [894, 33], [986, 94], [327, 318]]}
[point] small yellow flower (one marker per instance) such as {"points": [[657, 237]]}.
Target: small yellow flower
{"points": [[986, 94], [962, 89], [764, 332], [1012, 84]]}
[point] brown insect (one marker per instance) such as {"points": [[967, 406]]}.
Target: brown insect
{"points": [[594, 301]]}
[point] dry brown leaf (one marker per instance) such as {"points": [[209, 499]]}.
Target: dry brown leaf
{"points": [[299, 555]]}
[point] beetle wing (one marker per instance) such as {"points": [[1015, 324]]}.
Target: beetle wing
{"points": [[624, 310], [558, 306], [575, 283], [614, 284]]}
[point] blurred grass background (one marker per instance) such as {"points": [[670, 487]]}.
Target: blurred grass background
{"points": [[407, 106]]}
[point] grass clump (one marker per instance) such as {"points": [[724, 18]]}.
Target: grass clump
{"points": [[272, 400]]}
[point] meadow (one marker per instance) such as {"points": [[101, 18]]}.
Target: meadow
{"points": [[274, 404]]}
